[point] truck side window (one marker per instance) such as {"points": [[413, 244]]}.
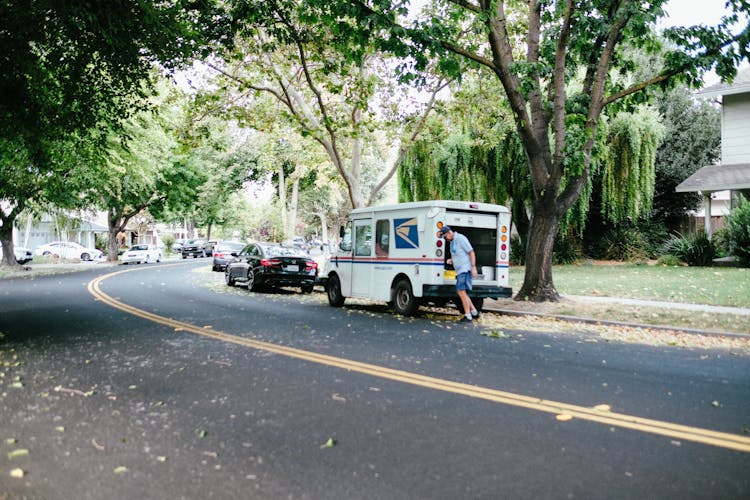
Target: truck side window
{"points": [[363, 240], [382, 237], [346, 238]]}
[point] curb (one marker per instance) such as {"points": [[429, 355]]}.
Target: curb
{"points": [[591, 321]]}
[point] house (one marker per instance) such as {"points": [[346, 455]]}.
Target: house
{"points": [[722, 184], [80, 228]]}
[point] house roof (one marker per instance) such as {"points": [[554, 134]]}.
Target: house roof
{"points": [[717, 178], [740, 85]]}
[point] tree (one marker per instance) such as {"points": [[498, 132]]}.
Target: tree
{"points": [[71, 71], [227, 157], [692, 140], [140, 169], [335, 94], [537, 52]]}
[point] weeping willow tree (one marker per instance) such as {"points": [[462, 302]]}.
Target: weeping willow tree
{"points": [[629, 174], [460, 168], [463, 167]]}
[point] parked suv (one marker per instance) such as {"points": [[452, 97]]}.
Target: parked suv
{"points": [[193, 248]]}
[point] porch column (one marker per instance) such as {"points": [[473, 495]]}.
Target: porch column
{"points": [[708, 216]]}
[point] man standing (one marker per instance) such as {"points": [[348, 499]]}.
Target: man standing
{"points": [[464, 262]]}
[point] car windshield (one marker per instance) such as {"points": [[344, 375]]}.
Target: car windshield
{"points": [[280, 251], [139, 247]]}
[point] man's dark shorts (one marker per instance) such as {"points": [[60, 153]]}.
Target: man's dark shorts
{"points": [[463, 281]]}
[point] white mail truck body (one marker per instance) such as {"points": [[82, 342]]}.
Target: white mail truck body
{"points": [[395, 254]]}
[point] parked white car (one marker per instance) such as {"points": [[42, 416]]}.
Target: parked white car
{"points": [[68, 250], [23, 255], [141, 253]]}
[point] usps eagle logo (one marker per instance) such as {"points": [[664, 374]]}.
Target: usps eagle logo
{"points": [[406, 233]]}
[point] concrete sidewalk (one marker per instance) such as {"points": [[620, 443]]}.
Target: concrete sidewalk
{"points": [[513, 309], [740, 311]]}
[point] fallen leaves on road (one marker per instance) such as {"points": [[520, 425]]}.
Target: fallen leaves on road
{"points": [[328, 444], [21, 452]]}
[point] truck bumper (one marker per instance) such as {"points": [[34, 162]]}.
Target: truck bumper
{"points": [[488, 292]]}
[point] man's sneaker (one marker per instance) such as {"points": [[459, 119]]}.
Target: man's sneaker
{"points": [[464, 319], [475, 314]]}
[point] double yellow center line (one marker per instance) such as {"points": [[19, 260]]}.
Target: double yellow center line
{"points": [[564, 411]]}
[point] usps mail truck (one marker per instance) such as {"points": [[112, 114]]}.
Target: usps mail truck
{"points": [[395, 254]]}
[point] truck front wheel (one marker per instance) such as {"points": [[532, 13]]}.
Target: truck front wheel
{"points": [[333, 290], [404, 300]]}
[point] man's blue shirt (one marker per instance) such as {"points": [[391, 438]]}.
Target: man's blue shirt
{"points": [[460, 249]]}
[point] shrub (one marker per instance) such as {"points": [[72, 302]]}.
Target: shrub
{"points": [[695, 249], [101, 242], [654, 234], [738, 232], [567, 250], [670, 260], [168, 240], [517, 251], [624, 243], [720, 239]]}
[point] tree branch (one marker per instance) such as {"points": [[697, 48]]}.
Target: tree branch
{"points": [[666, 75], [467, 5], [405, 145]]}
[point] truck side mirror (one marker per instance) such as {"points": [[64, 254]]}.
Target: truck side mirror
{"points": [[342, 231]]}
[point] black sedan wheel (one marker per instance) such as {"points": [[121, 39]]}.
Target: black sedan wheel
{"points": [[307, 288], [229, 278], [251, 285]]}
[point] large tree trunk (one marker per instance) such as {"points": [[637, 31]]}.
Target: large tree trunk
{"points": [[537, 282], [6, 239], [115, 226]]}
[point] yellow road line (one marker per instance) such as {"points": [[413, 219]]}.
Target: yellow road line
{"points": [[668, 429]]}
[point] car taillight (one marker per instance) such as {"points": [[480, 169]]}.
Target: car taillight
{"points": [[270, 262], [310, 265]]}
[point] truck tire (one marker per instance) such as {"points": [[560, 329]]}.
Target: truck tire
{"points": [[478, 303], [404, 301], [333, 290]]}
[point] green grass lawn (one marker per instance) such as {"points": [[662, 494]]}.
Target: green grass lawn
{"points": [[719, 286]]}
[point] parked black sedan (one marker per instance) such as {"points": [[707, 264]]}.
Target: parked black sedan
{"points": [[222, 253], [272, 264]]}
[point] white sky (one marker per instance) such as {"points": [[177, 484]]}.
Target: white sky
{"points": [[692, 12]]}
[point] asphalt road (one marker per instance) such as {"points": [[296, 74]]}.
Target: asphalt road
{"points": [[161, 382]]}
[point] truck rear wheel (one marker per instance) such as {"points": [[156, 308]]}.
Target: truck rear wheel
{"points": [[404, 300], [333, 290], [478, 303]]}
